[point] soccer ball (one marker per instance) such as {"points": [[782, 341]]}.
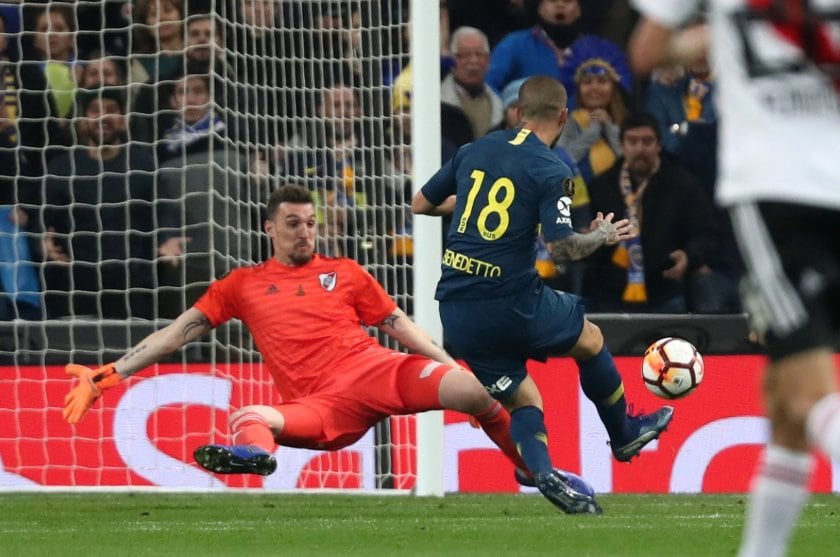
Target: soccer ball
{"points": [[672, 367]]}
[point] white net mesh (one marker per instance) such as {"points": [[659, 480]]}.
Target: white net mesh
{"points": [[138, 142]]}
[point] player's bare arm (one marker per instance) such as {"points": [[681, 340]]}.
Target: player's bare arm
{"points": [[189, 326], [92, 382], [412, 337], [653, 44], [602, 232], [422, 206]]}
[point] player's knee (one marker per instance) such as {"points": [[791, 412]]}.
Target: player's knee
{"points": [[589, 343], [789, 397], [461, 391]]}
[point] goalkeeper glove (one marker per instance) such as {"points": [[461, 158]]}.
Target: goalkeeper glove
{"points": [[90, 386]]}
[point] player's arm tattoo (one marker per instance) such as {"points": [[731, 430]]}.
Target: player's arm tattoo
{"points": [[133, 360], [577, 246], [388, 321], [196, 328], [134, 352]]}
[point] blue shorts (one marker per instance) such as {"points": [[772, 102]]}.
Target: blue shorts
{"points": [[497, 336]]}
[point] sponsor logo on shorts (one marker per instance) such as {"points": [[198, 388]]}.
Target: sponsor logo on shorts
{"points": [[500, 385]]}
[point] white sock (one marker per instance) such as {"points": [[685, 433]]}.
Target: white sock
{"points": [[779, 492], [823, 425]]}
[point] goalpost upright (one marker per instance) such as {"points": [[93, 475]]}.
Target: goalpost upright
{"points": [[426, 148]]}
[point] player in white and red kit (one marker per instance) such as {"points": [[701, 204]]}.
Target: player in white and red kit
{"points": [[306, 313], [777, 67]]}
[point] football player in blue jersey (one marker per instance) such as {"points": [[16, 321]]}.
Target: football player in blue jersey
{"points": [[497, 313]]}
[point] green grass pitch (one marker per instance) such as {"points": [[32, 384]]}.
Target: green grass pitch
{"points": [[127, 524]]}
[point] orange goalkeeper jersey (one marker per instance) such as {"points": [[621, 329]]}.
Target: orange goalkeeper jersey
{"points": [[304, 320]]}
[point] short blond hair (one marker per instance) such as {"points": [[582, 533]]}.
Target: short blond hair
{"points": [[542, 98]]}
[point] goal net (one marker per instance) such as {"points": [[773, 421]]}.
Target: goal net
{"points": [[139, 142]]}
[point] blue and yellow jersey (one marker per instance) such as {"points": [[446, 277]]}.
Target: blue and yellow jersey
{"points": [[508, 184]]}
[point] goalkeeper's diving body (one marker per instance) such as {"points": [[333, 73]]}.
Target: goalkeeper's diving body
{"points": [[335, 381]]}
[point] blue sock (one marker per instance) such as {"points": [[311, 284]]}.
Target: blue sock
{"points": [[602, 384], [527, 428]]}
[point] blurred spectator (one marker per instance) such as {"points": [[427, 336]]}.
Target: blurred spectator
{"points": [[465, 88], [401, 92], [103, 25], [156, 57], [158, 40], [683, 104], [545, 48], [53, 45], [197, 124], [204, 39], [456, 128], [28, 125], [151, 114], [20, 291], [496, 18], [262, 45], [98, 245], [330, 157], [400, 141], [203, 191], [212, 213], [351, 43], [346, 165], [673, 217], [338, 40], [591, 135], [102, 69]]}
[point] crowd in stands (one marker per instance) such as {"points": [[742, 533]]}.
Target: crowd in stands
{"points": [[139, 139]]}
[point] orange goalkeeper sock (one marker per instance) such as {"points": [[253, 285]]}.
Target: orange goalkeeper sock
{"points": [[253, 429], [495, 421]]}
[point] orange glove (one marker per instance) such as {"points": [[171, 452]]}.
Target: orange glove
{"points": [[90, 386]]}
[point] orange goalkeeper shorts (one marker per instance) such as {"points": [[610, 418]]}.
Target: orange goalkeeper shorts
{"points": [[387, 383]]}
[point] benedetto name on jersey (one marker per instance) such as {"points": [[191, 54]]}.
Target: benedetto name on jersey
{"points": [[470, 265]]}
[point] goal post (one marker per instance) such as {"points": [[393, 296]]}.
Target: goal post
{"points": [[145, 138], [426, 149]]}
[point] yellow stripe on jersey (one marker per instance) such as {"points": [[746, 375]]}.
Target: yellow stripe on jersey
{"points": [[520, 137]]}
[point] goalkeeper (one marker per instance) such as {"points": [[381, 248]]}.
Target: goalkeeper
{"points": [[305, 313]]}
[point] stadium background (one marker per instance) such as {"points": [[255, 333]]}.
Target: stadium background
{"points": [[145, 430]]}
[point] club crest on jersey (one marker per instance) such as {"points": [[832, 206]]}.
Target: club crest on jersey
{"points": [[328, 281], [568, 187]]}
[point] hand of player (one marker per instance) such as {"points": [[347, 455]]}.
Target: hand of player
{"points": [[614, 232], [90, 386]]}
